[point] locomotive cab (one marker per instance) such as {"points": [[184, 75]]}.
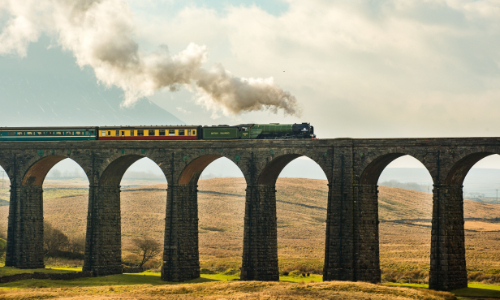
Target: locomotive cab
{"points": [[304, 130]]}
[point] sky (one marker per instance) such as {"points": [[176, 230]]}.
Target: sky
{"points": [[360, 69]]}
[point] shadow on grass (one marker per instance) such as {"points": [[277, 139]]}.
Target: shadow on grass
{"points": [[7, 271], [474, 290], [479, 290], [295, 279], [145, 278]]}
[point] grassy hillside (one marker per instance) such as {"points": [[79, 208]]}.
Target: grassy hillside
{"points": [[114, 287], [301, 209]]}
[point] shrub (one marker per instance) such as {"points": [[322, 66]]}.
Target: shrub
{"points": [[303, 269], [412, 276], [77, 244], [484, 278], [54, 240], [131, 259]]}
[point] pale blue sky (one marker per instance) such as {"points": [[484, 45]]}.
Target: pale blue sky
{"points": [[171, 8], [357, 68]]}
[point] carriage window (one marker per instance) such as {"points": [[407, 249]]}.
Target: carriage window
{"points": [[123, 132], [39, 133], [140, 132], [131, 132], [181, 131], [50, 133], [103, 133], [162, 132], [78, 133], [194, 132], [109, 132], [11, 133], [69, 132], [58, 132], [20, 133], [171, 132], [151, 133], [117, 133], [29, 133]]}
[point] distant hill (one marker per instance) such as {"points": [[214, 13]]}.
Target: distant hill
{"points": [[48, 88], [479, 184]]}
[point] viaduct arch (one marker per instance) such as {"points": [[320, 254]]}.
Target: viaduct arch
{"points": [[351, 166], [367, 207], [25, 223], [181, 258]]}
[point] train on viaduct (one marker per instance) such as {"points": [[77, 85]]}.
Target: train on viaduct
{"points": [[352, 167]]}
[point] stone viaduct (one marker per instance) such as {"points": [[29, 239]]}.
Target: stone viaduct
{"points": [[352, 167]]}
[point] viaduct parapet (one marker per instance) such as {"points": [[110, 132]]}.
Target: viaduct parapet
{"points": [[352, 167]]}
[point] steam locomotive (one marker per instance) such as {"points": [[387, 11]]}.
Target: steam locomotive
{"points": [[188, 132]]}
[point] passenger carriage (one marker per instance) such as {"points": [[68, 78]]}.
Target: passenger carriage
{"points": [[149, 133], [47, 133]]}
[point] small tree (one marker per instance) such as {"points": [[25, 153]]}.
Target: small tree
{"points": [[77, 245], [54, 240], [147, 248]]}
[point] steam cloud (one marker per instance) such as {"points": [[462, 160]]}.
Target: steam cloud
{"points": [[100, 34]]}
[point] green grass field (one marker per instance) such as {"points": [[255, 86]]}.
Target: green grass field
{"points": [[6, 271], [147, 277], [153, 279]]}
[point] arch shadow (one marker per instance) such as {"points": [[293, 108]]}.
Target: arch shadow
{"points": [[272, 170], [114, 172], [35, 176], [456, 175], [192, 172], [372, 172], [269, 175]]}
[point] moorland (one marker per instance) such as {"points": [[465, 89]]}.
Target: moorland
{"points": [[405, 229]]}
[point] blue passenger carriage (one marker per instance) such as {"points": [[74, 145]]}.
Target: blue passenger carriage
{"points": [[47, 133]]}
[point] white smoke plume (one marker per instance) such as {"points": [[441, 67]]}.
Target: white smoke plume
{"points": [[100, 35]]}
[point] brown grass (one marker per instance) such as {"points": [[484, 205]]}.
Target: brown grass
{"points": [[233, 290], [404, 248]]}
